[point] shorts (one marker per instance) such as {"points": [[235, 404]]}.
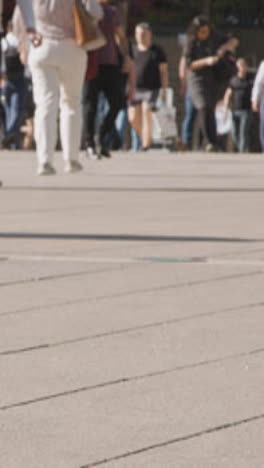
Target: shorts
{"points": [[148, 96]]}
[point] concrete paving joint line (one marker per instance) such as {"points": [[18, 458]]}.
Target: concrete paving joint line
{"points": [[127, 380], [123, 331], [184, 438]]}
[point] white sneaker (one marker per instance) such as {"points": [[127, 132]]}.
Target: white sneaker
{"points": [[72, 166], [46, 169], [90, 153]]}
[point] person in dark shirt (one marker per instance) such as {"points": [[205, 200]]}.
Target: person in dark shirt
{"points": [[107, 81], [238, 96], [205, 48], [151, 70]]}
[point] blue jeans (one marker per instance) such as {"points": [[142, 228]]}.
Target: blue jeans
{"points": [[188, 122], [14, 93], [241, 120]]}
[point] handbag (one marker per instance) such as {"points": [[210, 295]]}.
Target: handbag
{"points": [[87, 32]]}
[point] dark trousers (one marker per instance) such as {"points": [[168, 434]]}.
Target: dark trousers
{"points": [[107, 81], [207, 124]]}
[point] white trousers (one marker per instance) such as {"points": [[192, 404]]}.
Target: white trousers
{"points": [[57, 69]]}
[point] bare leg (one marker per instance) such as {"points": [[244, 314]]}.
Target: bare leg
{"points": [[147, 125], [135, 118]]}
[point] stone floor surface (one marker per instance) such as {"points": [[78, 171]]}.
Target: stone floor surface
{"points": [[131, 312]]}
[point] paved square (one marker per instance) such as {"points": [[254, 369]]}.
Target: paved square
{"points": [[131, 313]]}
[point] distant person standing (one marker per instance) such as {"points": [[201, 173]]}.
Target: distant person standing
{"points": [[110, 59], [204, 50], [27, 12], [190, 110], [238, 97], [152, 75], [14, 89], [257, 100]]}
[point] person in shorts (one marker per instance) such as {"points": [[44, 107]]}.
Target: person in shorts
{"points": [[238, 96], [151, 68]]}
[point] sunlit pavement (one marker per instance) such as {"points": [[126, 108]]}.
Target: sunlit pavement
{"points": [[131, 316]]}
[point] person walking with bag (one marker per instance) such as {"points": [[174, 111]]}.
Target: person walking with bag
{"points": [[58, 67], [204, 50]]}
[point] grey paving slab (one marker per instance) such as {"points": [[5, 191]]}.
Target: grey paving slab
{"points": [[131, 312], [26, 325], [43, 372], [236, 447], [93, 426]]}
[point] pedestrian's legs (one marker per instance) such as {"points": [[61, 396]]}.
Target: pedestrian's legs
{"points": [[208, 125], [70, 101], [135, 118], [147, 126], [135, 140], [90, 100], [110, 77], [121, 124], [188, 122], [235, 129], [245, 121], [46, 97]]}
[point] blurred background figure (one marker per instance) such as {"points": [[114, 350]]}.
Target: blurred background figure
{"points": [[151, 75], [204, 50], [111, 59], [238, 97], [257, 101], [14, 89], [189, 108]]}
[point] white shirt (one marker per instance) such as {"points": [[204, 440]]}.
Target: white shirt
{"points": [[258, 87]]}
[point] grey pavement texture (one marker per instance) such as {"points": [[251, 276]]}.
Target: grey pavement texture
{"points": [[131, 312]]}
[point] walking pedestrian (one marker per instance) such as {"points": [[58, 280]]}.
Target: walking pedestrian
{"points": [[189, 108], [257, 100], [57, 68], [27, 12], [205, 48], [14, 89], [110, 58], [152, 74], [238, 96]]}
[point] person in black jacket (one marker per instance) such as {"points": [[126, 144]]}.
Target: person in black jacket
{"points": [[205, 49]]}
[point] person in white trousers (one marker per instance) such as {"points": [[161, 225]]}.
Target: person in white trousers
{"points": [[58, 67]]}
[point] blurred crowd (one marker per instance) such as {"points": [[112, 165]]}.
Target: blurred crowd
{"points": [[55, 93]]}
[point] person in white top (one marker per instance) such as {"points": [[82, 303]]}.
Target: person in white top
{"points": [[58, 67], [257, 100]]}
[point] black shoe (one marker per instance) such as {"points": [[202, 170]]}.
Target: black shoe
{"points": [[8, 140], [145, 148], [104, 153]]}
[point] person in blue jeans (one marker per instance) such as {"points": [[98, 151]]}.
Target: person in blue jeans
{"points": [[238, 95], [14, 89], [190, 111]]}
